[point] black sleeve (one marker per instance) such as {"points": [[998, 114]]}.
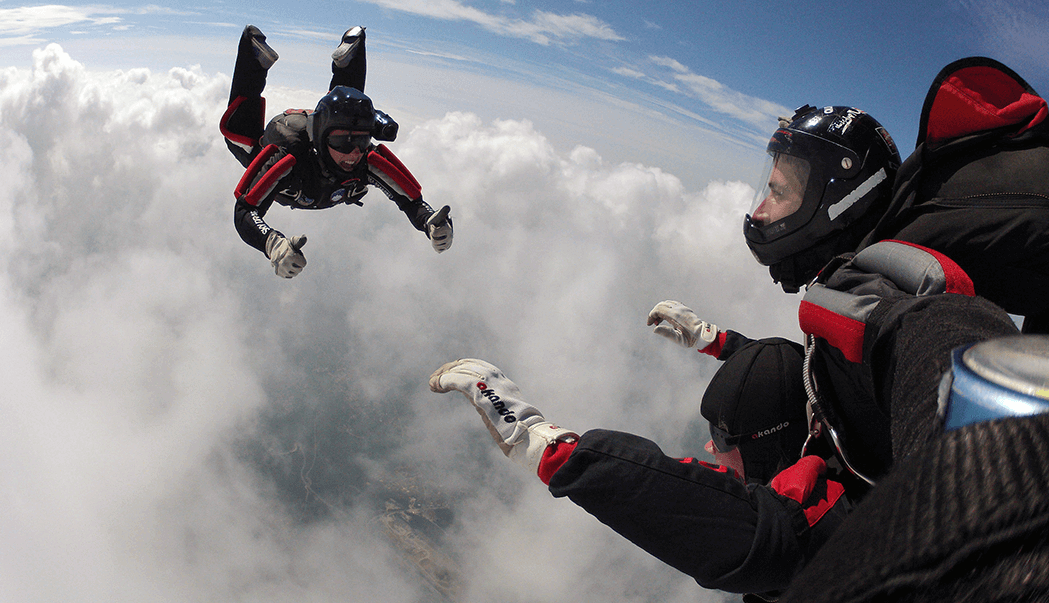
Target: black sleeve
{"points": [[416, 210], [696, 517], [252, 229], [260, 185], [910, 350], [733, 342]]}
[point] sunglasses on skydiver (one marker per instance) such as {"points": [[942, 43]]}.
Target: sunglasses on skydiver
{"points": [[723, 440], [345, 143]]}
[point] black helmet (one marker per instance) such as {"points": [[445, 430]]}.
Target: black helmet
{"points": [[828, 179], [344, 108], [756, 401]]}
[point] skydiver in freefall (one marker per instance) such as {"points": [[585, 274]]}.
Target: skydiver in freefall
{"points": [[315, 159]]}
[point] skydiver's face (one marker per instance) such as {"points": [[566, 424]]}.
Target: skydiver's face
{"points": [[785, 190], [347, 147], [731, 459]]}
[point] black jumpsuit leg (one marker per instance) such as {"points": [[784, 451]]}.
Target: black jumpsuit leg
{"points": [[354, 73], [246, 120]]}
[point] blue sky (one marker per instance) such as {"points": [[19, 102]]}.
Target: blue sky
{"points": [[723, 68]]}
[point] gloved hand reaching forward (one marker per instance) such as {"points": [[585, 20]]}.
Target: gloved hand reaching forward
{"points": [[517, 427], [284, 254], [683, 326], [439, 229]]}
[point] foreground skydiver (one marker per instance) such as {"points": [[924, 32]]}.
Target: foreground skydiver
{"points": [[315, 159], [881, 324], [978, 168], [957, 514], [975, 188], [746, 524]]}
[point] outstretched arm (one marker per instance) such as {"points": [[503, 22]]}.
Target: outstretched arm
{"points": [[517, 427], [387, 172], [697, 517], [255, 193], [700, 518], [678, 323]]}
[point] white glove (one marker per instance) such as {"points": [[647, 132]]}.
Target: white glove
{"points": [[683, 326], [517, 427], [284, 254], [439, 228]]}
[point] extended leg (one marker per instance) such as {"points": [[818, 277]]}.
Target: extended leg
{"points": [[349, 66], [243, 123]]}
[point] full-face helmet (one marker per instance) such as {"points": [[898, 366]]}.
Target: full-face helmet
{"points": [[828, 179]]}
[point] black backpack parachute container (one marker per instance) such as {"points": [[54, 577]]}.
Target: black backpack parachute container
{"points": [[976, 187]]}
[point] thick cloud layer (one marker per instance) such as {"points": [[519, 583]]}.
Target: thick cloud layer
{"points": [[180, 424]]}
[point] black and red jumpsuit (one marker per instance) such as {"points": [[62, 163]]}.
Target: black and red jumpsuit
{"points": [[282, 165]]}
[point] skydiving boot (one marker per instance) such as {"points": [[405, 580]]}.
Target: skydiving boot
{"points": [[351, 40], [265, 55]]}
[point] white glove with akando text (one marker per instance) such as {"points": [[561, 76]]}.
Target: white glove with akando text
{"points": [[516, 426]]}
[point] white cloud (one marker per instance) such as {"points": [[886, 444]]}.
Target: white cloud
{"points": [[34, 25], [575, 26], [543, 28], [628, 72], [183, 425], [758, 113], [669, 63], [25, 20]]}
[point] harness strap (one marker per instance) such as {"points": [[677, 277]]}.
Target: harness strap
{"points": [[841, 318]]}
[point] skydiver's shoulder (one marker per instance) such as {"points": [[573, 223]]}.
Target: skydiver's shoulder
{"points": [[289, 132]]}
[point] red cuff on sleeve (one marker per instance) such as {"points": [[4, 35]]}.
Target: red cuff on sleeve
{"points": [[554, 456], [714, 347]]}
